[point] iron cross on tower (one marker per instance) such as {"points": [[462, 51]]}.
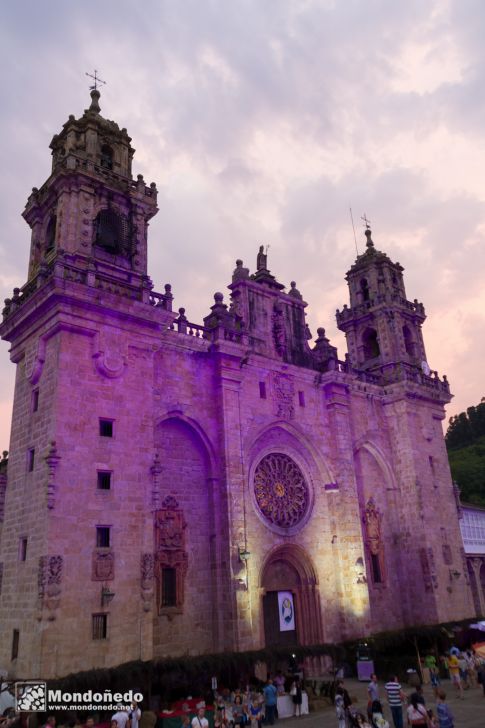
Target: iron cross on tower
{"points": [[96, 80], [366, 221]]}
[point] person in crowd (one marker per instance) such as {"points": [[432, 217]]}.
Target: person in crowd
{"points": [[340, 707], [297, 695], [199, 720], [134, 715], [434, 676], [454, 668], [51, 722], [443, 712], [89, 722], [463, 666], [416, 712], [185, 721], [471, 668], [377, 715], [279, 682], [238, 711], [121, 717], [432, 720], [395, 698], [418, 695], [373, 694], [255, 713], [481, 675], [271, 700], [361, 721]]}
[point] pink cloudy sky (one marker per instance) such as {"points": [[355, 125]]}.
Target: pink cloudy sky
{"points": [[261, 121]]}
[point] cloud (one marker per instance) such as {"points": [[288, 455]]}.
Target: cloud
{"points": [[262, 122]]}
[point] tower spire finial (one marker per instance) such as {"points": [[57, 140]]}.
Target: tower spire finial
{"points": [[368, 231], [95, 107]]}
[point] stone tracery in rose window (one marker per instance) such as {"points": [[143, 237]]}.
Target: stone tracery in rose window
{"points": [[280, 489]]}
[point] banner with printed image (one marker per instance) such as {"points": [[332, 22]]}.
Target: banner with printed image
{"points": [[286, 611]]}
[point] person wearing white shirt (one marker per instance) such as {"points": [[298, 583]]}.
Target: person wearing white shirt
{"points": [[121, 718]]}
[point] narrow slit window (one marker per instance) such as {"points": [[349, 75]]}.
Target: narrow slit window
{"points": [[104, 480], [103, 537], [23, 549], [35, 400], [106, 428], [30, 459], [262, 390], [376, 569], [301, 399], [169, 587], [15, 644]]}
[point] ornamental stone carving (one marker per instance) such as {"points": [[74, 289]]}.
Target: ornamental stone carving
{"points": [[147, 573], [283, 396], [49, 578], [281, 492], [372, 521], [103, 567], [170, 553]]}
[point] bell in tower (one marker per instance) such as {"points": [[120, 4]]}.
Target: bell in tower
{"points": [[91, 208]]}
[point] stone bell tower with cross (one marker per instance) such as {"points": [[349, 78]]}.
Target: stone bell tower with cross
{"points": [[91, 208], [383, 328]]}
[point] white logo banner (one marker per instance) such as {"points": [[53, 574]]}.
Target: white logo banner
{"points": [[286, 611]]}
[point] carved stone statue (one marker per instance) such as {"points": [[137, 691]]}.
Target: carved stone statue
{"points": [[372, 520], [262, 259]]}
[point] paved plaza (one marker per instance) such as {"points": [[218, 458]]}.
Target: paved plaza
{"points": [[469, 713]]}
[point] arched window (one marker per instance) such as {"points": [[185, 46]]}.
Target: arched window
{"points": [[371, 344], [108, 231], [408, 341], [106, 156], [364, 288], [50, 234]]}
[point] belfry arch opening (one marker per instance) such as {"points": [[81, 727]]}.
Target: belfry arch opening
{"points": [[364, 289], [370, 343], [409, 344], [106, 157]]}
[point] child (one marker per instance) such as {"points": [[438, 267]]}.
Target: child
{"points": [[432, 721], [445, 716]]}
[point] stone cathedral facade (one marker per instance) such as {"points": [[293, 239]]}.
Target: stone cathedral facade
{"points": [[167, 481]]}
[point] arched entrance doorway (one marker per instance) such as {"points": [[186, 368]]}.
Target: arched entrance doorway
{"points": [[289, 569]]}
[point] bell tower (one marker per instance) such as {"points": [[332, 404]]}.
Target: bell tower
{"points": [[90, 207], [382, 328]]}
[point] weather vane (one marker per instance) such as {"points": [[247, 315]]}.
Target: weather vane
{"points": [[96, 78], [366, 221]]}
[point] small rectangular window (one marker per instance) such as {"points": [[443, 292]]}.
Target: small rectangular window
{"points": [[104, 480], [431, 463], [30, 459], [376, 569], [100, 626], [106, 428], [23, 549], [15, 644], [103, 534], [301, 399], [35, 400], [169, 587], [262, 390]]}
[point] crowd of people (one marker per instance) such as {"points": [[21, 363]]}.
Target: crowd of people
{"points": [[253, 707], [465, 670]]}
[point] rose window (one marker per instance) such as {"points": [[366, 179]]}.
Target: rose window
{"points": [[281, 491]]}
